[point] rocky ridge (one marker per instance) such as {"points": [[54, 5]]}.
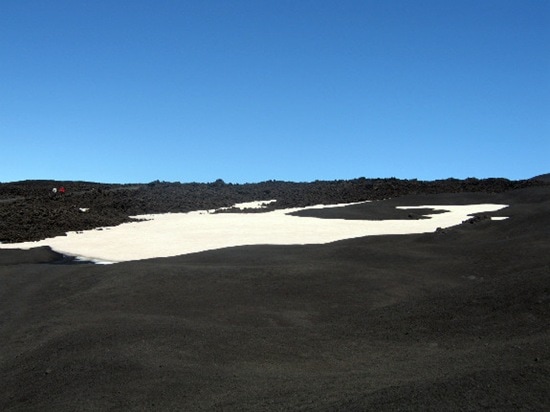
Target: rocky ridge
{"points": [[30, 210]]}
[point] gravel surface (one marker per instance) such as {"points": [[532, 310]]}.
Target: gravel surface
{"points": [[457, 319]]}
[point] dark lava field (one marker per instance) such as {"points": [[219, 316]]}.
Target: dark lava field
{"points": [[29, 210]]}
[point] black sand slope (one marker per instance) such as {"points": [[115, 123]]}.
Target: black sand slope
{"points": [[452, 320]]}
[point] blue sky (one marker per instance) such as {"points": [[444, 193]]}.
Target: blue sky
{"points": [[299, 90]]}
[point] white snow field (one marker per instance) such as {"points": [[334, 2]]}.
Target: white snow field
{"points": [[172, 234]]}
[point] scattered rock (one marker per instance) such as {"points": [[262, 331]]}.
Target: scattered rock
{"points": [[477, 219]]}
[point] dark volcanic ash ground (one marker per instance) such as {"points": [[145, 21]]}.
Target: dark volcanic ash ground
{"points": [[455, 320]]}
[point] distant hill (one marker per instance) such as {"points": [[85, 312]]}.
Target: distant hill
{"points": [[542, 178]]}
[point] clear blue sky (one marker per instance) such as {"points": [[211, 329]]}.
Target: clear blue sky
{"points": [[298, 90]]}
